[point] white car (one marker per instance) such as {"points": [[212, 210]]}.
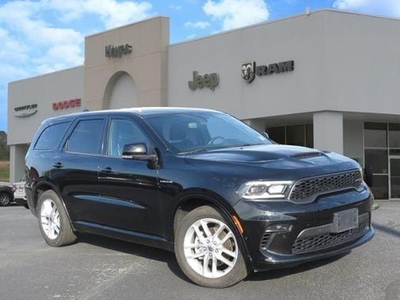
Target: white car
{"points": [[19, 193]]}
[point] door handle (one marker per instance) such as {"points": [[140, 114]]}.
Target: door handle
{"points": [[58, 165], [107, 170]]}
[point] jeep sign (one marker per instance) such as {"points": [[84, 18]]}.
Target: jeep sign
{"points": [[207, 80]]}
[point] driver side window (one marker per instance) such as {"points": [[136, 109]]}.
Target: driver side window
{"points": [[122, 132]]}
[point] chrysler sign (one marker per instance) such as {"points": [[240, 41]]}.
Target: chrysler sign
{"points": [[25, 110], [250, 70]]}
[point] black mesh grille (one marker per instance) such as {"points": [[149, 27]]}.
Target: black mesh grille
{"points": [[327, 240], [310, 187]]}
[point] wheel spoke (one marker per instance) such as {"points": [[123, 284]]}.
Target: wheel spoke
{"points": [[191, 246], [227, 237], [197, 255], [225, 261], [206, 261], [56, 228], [214, 267], [206, 230], [228, 252], [218, 232], [199, 233]]}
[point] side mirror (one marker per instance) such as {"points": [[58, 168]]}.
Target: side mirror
{"points": [[138, 152]]}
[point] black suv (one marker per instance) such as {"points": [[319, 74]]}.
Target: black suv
{"points": [[198, 182]]}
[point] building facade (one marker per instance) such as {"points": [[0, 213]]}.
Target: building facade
{"points": [[327, 80]]}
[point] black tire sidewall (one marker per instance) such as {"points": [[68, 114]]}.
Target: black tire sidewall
{"points": [[65, 226], [239, 271]]}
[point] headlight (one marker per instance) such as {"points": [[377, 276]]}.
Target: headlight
{"points": [[258, 190]]}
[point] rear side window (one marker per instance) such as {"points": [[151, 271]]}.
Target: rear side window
{"points": [[51, 136], [87, 137]]}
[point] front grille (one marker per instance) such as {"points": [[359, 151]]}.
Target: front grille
{"points": [[327, 240], [305, 190]]}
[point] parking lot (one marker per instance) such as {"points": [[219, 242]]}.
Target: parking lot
{"points": [[100, 268]]}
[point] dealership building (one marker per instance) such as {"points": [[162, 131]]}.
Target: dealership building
{"points": [[327, 79]]}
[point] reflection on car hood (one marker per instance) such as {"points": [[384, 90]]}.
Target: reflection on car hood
{"points": [[272, 156]]}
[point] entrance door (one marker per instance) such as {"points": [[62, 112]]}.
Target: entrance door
{"points": [[394, 179]]}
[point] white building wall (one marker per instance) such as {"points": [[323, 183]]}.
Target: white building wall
{"points": [[328, 131], [44, 91]]}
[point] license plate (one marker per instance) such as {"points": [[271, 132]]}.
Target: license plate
{"points": [[345, 220]]}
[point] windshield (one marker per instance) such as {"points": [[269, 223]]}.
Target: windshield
{"points": [[202, 131]]}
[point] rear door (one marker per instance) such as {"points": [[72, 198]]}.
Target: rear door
{"points": [[75, 169]]}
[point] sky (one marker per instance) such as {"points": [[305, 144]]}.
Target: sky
{"points": [[43, 36]]}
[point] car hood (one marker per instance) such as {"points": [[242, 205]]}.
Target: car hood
{"points": [[278, 157]]}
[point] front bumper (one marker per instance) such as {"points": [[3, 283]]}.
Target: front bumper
{"points": [[283, 234]]}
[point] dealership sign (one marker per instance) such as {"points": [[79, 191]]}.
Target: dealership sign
{"points": [[117, 51], [67, 104], [250, 70], [207, 80], [25, 111]]}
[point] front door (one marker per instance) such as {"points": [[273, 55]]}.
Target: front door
{"points": [[394, 178], [129, 192]]}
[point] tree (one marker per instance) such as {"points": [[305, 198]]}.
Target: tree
{"points": [[4, 149]]}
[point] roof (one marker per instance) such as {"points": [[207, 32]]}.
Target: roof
{"points": [[139, 111]]}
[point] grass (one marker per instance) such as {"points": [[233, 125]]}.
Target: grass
{"points": [[5, 171]]}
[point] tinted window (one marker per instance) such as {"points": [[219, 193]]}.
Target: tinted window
{"points": [[51, 136], [86, 137], [375, 134], [123, 132]]}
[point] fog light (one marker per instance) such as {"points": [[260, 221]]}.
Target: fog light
{"points": [[279, 228]]}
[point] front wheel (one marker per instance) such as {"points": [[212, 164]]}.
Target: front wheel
{"points": [[53, 220], [207, 250]]}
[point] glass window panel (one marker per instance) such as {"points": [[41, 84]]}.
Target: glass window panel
{"points": [[310, 135], [295, 135], [394, 135], [87, 137], [380, 186], [277, 134], [51, 136], [121, 133], [395, 187], [395, 167], [376, 160], [375, 135], [394, 152]]}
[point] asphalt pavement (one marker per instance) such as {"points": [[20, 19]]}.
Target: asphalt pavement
{"points": [[101, 268]]}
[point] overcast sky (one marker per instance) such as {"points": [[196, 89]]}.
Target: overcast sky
{"points": [[42, 36]]}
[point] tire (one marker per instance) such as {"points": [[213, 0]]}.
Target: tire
{"points": [[207, 250], [53, 220], [5, 199]]}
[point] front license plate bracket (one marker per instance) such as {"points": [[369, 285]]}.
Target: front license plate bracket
{"points": [[345, 220]]}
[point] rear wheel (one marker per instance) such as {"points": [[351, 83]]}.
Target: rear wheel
{"points": [[5, 199], [207, 250], [53, 220]]}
